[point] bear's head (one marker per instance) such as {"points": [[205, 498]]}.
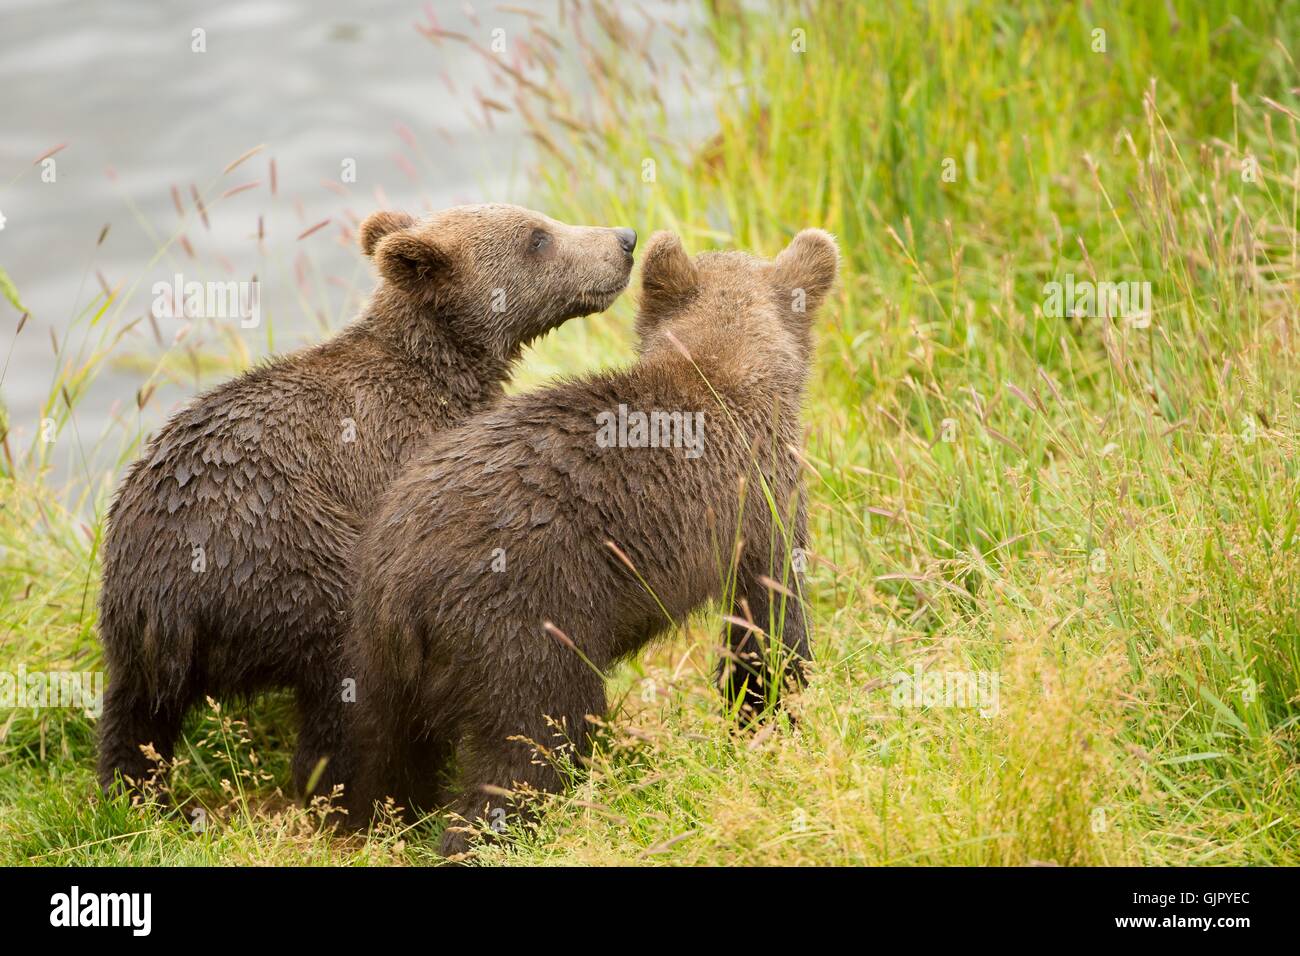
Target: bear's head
{"points": [[498, 275], [736, 309]]}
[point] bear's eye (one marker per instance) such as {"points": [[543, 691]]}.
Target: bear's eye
{"points": [[538, 240]]}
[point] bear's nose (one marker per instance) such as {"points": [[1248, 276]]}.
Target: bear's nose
{"points": [[626, 238]]}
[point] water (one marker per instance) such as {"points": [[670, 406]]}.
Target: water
{"points": [[317, 83]]}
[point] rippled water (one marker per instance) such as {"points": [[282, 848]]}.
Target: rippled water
{"points": [[317, 83]]}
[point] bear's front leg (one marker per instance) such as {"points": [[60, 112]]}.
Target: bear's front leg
{"points": [[754, 667], [319, 757]]}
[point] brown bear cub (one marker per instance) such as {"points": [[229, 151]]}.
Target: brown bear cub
{"points": [[225, 561], [527, 550]]}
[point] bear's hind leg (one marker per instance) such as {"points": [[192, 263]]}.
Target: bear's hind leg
{"points": [[425, 764], [133, 718], [501, 753]]}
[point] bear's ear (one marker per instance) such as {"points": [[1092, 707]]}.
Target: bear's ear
{"points": [[380, 224], [806, 269], [411, 261], [667, 273]]}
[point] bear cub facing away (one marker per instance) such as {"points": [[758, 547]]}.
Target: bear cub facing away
{"points": [[225, 563], [520, 555]]}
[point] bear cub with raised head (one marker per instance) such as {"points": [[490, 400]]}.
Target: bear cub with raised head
{"points": [[527, 550], [226, 555]]}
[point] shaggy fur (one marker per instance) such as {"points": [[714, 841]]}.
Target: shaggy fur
{"points": [[227, 545], [499, 560]]}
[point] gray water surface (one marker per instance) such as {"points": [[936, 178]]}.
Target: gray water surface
{"points": [[315, 83]]}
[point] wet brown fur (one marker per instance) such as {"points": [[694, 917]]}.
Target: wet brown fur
{"points": [[454, 658], [261, 475]]}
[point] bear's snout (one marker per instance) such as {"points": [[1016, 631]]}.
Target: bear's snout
{"points": [[626, 238]]}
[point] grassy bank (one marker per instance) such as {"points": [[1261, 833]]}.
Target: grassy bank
{"points": [[1099, 512]]}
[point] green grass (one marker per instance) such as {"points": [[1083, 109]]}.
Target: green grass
{"points": [[1102, 513]]}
